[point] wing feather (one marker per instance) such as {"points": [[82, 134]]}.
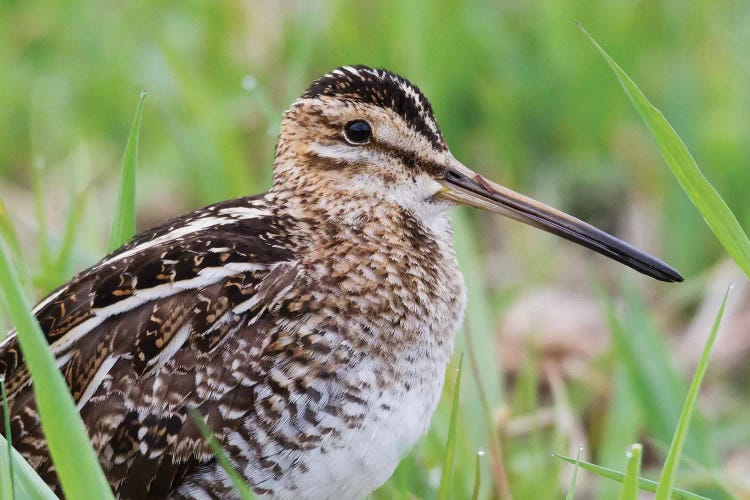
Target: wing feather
{"points": [[134, 334]]}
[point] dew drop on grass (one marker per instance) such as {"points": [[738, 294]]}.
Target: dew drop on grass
{"points": [[433, 477], [249, 83]]}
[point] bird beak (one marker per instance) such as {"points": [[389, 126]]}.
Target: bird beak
{"points": [[462, 185]]}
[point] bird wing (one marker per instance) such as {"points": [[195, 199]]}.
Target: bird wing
{"points": [[135, 334]]}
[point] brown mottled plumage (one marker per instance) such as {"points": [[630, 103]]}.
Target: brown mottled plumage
{"points": [[310, 326]]}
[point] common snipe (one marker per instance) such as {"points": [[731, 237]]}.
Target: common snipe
{"points": [[310, 325]]}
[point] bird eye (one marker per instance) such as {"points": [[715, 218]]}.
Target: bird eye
{"points": [[358, 132]]}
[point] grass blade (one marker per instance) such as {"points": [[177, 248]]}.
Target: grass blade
{"points": [[239, 483], [477, 476], [123, 227], [446, 478], [27, 482], [10, 473], [486, 392], [666, 481], [73, 222], [77, 466], [701, 474], [630, 481], [37, 188], [574, 478], [658, 387], [622, 425], [496, 456], [644, 484], [10, 236], [22, 479], [715, 211], [8, 232]]}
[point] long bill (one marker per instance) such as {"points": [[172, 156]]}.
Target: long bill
{"points": [[462, 185]]}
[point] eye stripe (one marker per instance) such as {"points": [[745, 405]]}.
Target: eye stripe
{"points": [[408, 158]]}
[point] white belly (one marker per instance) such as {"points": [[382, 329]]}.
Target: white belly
{"points": [[360, 460]]}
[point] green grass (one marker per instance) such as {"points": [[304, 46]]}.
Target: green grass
{"points": [[7, 475], [74, 459], [644, 355], [446, 477], [26, 483], [726, 228], [477, 475], [667, 478], [123, 226], [574, 477], [711, 205], [629, 489], [643, 484], [17, 478], [521, 97], [664, 488], [239, 483]]}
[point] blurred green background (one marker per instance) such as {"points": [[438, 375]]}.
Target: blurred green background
{"points": [[522, 97]]}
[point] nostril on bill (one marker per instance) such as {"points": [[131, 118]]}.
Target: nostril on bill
{"points": [[452, 174]]}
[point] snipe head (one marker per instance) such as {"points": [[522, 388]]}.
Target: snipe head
{"points": [[367, 136]]}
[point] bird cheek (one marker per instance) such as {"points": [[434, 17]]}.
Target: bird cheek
{"points": [[430, 186]]}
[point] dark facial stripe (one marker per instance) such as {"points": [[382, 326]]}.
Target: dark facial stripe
{"points": [[409, 158], [381, 88]]}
